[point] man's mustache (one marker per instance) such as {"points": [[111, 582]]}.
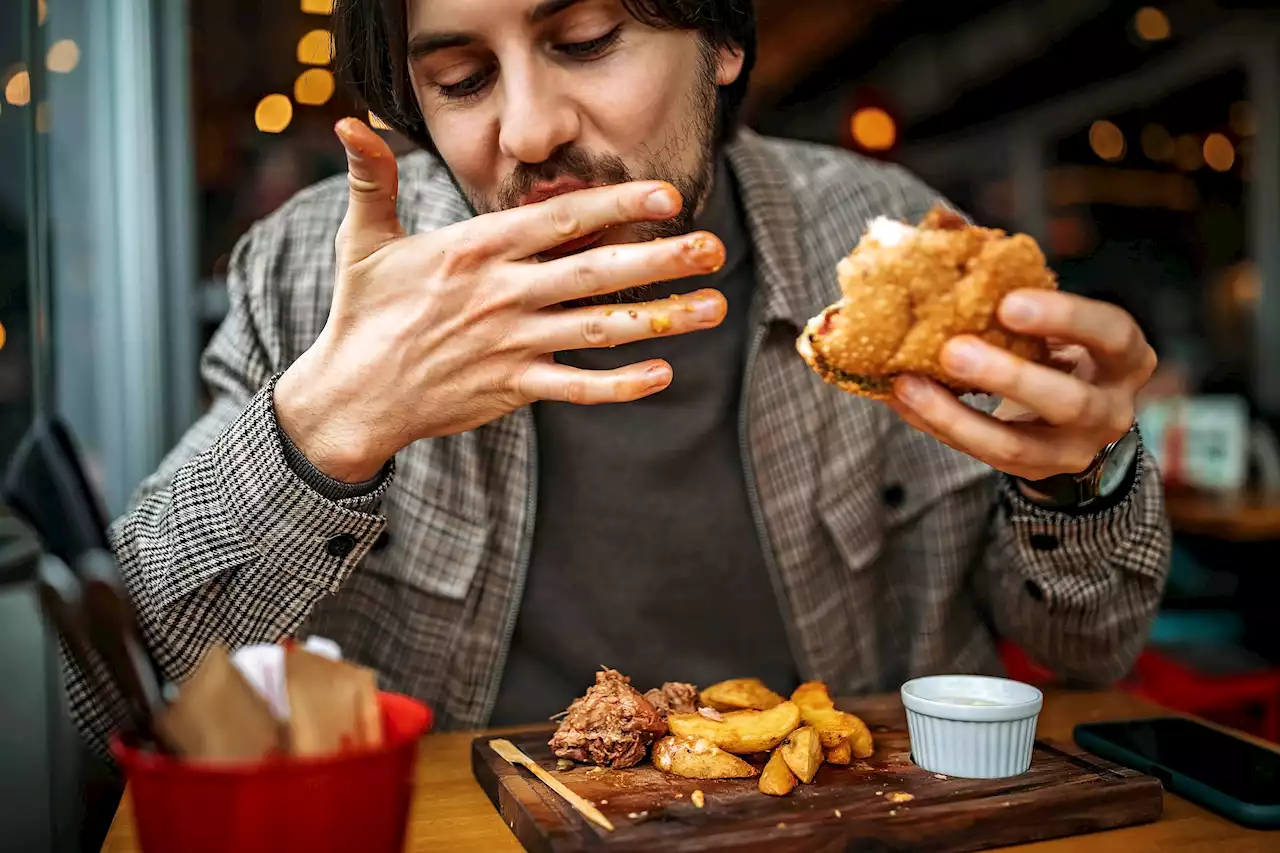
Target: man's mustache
{"points": [[566, 162]]}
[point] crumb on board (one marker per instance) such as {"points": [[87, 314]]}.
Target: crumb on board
{"points": [[679, 795], [698, 798], [596, 769], [879, 793], [839, 813], [638, 815], [564, 764], [604, 802], [782, 825], [893, 812], [940, 776], [900, 797]]}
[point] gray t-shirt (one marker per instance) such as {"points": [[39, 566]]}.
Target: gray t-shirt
{"points": [[645, 554]]}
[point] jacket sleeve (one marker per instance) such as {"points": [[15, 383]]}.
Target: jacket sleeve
{"points": [[225, 542], [1078, 591]]}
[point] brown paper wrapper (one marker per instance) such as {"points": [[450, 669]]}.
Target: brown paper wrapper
{"points": [[219, 717], [333, 705]]}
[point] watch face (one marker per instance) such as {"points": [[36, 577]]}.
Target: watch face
{"points": [[1117, 464]]}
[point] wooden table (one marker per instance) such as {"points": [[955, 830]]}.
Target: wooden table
{"points": [[1246, 518], [452, 815]]}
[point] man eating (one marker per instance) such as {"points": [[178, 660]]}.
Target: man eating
{"points": [[527, 402]]}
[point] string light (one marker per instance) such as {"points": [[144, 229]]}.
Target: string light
{"points": [[1241, 119], [1219, 153], [1151, 24], [1157, 144], [17, 89], [4, 336], [874, 129], [317, 7], [1188, 154], [313, 87], [42, 10], [273, 114], [1106, 140], [63, 57], [316, 48]]}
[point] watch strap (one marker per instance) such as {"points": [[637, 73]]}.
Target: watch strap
{"points": [[1083, 490]]}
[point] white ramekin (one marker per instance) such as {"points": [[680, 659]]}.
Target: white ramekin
{"points": [[972, 741]]}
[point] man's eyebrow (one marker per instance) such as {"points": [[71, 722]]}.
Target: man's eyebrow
{"points": [[550, 8], [428, 43]]}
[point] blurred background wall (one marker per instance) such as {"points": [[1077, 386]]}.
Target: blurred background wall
{"points": [[1139, 142]]}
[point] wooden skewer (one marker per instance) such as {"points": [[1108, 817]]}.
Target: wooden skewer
{"points": [[511, 753]]}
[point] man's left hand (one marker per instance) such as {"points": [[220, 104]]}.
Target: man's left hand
{"points": [[1050, 421]]}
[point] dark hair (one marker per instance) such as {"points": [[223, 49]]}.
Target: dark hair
{"points": [[370, 41]]}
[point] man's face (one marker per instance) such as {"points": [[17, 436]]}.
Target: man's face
{"points": [[527, 99]]}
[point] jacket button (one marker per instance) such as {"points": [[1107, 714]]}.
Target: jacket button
{"points": [[1044, 542], [341, 545], [894, 495]]}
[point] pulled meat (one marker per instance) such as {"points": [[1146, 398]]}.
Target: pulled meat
{"points": [[674, 697], [612, 725]]}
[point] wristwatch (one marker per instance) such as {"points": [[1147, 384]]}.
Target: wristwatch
{"points": [[1109, 469]]}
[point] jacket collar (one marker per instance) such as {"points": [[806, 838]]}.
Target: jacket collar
{"points": [[774, 226]]}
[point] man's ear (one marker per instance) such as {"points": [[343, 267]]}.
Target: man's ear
{"points": [[729, 60]]}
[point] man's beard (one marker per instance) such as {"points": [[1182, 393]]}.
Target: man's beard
{"points": [[607, 169]]}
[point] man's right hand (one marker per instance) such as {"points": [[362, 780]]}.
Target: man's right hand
{"points": [[438, 333]]}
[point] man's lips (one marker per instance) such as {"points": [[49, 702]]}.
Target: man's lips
{"points": [[551, 189]]}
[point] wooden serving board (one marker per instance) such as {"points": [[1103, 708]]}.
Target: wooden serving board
{"points": [[1065, 792]]}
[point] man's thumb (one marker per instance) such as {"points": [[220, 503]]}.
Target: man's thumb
{"points": [[374, 180]]}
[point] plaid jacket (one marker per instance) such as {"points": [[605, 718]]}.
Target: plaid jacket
{"points": [[891, 555]]}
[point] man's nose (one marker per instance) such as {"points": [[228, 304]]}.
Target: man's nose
{"points": [[537, 118]]}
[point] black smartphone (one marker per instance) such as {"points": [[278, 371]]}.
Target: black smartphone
{"points": [[1224, 773]]}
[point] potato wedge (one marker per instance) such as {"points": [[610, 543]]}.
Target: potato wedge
{"points": [[817, 710], [699, 759], [740, 694], [841, 753], [777, 780], [740, 732], [802, 751]]}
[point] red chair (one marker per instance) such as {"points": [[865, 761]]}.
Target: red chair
{"points": [[1248, 701]]}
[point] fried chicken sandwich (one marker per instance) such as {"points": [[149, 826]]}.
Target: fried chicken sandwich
{"points": [[908, 289]]}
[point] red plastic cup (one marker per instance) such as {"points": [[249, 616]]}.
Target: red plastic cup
{"points": [[349, 802]]}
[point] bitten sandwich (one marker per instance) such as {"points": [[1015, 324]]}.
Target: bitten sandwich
{"points": [[908, 289]]}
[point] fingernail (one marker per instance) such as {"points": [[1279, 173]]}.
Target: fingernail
{"points": [[661, 202], [963, 357], [1020, 309], [910, 389], [706, 309], [659, 374]]}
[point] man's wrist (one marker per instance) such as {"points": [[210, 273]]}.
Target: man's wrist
{"points": [[340, 454]]}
